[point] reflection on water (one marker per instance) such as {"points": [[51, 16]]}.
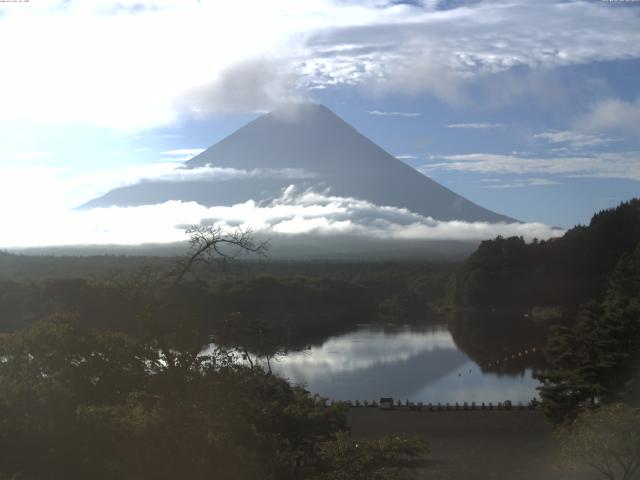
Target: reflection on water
{"points": [[415, 363]]}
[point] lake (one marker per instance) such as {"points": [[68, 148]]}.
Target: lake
{"points": [[418, 363]]}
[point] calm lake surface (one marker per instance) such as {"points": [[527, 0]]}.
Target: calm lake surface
{"points": [[418, 363]]}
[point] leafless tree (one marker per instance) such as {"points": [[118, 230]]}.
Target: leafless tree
{"points": [[215, 244]]}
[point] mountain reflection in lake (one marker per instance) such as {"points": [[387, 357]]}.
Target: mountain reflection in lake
{"points": [[416, 363]]}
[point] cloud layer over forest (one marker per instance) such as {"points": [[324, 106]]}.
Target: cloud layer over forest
{"points": [[293, 212]]}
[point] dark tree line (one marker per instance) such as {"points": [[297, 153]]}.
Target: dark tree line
{"points": [[304, 309], [567, 271]]}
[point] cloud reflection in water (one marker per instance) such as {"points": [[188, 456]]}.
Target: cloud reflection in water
{"points": [[420, 364]]}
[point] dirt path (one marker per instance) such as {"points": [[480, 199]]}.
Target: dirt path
{"points": [[470, 445]]}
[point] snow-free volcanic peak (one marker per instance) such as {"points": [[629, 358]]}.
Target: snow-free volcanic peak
{"points": [[310, 147]]}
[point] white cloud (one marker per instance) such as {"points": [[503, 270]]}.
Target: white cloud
{"points": [[145, 64], [162, 135], [29, 156], [613, 115], [32, 155], [218, 174], [442, 51], [293, 213], [31, 187], [573, 140], [406, 157], [184, 151], [129, 70], [393, 114], [529, 182], [255, 84], [475, 126], [605, 165], [182, 154]]}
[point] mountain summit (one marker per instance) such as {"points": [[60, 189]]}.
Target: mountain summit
{"points": [[310, 147]]}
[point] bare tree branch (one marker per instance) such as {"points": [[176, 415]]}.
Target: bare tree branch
{"points": [[212, 243]]}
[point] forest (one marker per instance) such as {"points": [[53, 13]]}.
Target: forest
{"points": [[102, 371], [591, 277], [565, 271]]}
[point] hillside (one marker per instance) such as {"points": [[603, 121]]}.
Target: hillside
{"points": [[562, 271]]}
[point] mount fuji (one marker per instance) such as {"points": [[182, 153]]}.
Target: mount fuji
{"points": [[312, 148]]}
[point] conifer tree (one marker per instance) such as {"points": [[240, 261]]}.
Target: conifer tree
{"points": [[595, 360]]}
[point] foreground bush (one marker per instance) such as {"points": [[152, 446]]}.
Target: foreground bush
{"points": [[606, 439], [79, 404]]}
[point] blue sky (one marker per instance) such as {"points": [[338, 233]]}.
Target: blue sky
{"points": [[531, 109]]}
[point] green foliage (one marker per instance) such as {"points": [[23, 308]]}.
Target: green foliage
{"points": [[316, 301], [298, 304], [606, 439], [570, 270], [76, 403], [494, 274], [596, 358], [398, 308], [594, 271], [580, 362], [252, 338], [389, 458]]}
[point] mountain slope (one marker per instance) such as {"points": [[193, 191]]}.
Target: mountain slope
{"points": [[312, 148]]}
